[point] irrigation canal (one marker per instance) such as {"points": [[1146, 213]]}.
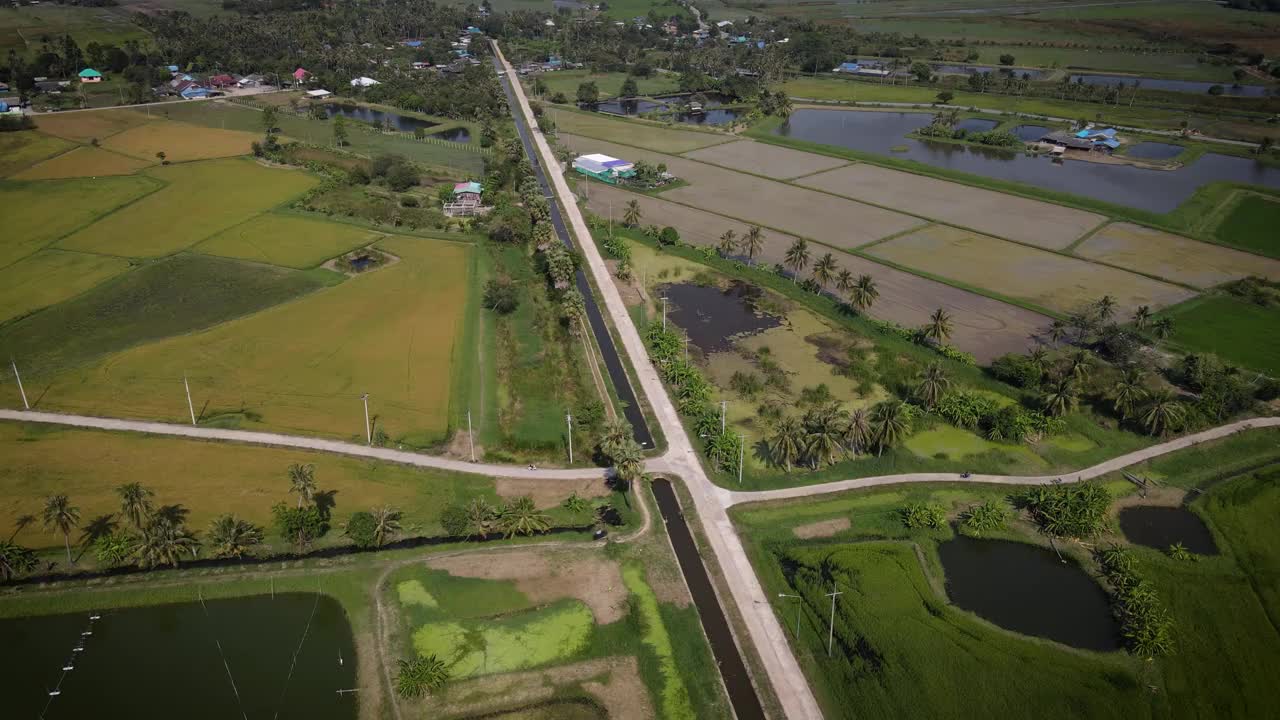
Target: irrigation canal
{"points": [[742, 693], [617, 373]]}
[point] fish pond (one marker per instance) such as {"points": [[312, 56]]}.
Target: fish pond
{"points": [[1143, 188], [400, 123], [713, 317], [1148, 150], [1030, 133], [1160, 527], [252, 657], [717, 116], [1028, 589], [1186, 86]]}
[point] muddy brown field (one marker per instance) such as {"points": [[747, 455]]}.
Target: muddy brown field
{"points": [[1174, 257], [1007, 216], [1047, 279], [763, 159]]}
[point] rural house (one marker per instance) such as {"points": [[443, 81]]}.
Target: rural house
{"points": [[466, 199], [604, 168], [89, 75]]}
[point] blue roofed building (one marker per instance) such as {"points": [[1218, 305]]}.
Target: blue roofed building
{"points": [[849, 67]]}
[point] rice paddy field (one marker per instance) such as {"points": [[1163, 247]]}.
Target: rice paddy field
{"points": [[1046, 279], [769, 160], [51, 276], [84, 161], [19, 150], [84, 127], [179, 142], [52, 209], [287, 240], [1252, 224], [1237, 331], [1179, 259]]}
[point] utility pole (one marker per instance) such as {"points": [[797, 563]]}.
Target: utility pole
{"points": [[724, 406], [190, 408], [831, 627], [664, 314], [25, 404], [470, 436], [569, 419], [798, 599], [686, 348], [742, 454], [368, 431]]}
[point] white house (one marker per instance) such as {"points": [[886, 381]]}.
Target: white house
{"points": [[318, 94]]}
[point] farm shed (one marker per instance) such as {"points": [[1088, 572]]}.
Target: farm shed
{"points": [[603, 167]]}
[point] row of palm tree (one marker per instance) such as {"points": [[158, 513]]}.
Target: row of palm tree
{"points": [[518, 517], [827, 432]]}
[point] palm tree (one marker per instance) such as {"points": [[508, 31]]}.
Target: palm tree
{"points": [[786, 445], [752, 242], [1057, 331], [575, 504], [386, 523], [163, 542], [823, 442], [1039, 358], [15, 560], [844, 282], [824, 269], [1141, 316], [480, 516], [1080, 364], [420, 676], [230, 536], [631, 216], [889, 423], [302, 480], [865, 293], [933, 384], [857, 431], [728, 243], [628, 463], [1060, 398], [797, 257], [1129, 392], [521, 517], [97, 528], [1163, 414], [135, 503], [939, 327], [1163, 327], [614, 433], [61, 515], [1106, 307]]}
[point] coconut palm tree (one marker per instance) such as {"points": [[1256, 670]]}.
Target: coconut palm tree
{"points": [[752, 242], [823, 441], [480, 515], [889, 424], [135, 503], [1129, 392], [1141, 316], [939, 326], [231, 537], [302, 480], [933, 384], [857, 431], [1057, 331], [1080, 365], [576, 504], [632, 215], [1163, 327], [728, 243], [164, 542], [15, 560], [1163, 414], [1105, 307], [420, 676], [386, 524], [797, 257], [1060, 397], [522, 517], [61, 515], [824, 270], [844, 282], [787, 444], [628, 463], [1039, 358], [613, 434], [864, 293]]}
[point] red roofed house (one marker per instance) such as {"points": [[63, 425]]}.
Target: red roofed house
{"points": [[300, 75], [221, 81]]}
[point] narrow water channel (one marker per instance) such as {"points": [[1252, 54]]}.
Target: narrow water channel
{"points": [[742, 694]]}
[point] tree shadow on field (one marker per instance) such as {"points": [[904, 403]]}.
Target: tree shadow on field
{"points": [[325, 501]]}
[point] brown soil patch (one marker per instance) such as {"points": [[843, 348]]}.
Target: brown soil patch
{"points": [[614, 681], [624, 695], [821, 529], [1171, 256], [773, 161], [547, 576], [549, 493]]}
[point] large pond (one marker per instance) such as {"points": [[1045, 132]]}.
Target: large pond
{"points": [[1188, 86], [1030, 133], [713, 317], [255, 657], [718, 116], [1154, 150], [399, 123], [1143, 188], [1160, 527], [1028, 589]]}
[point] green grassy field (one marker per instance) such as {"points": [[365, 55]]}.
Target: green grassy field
{"points": [[54, 208], [84, 161], [641, 134], [177, 216], [1252, 224], [49, 277], [1237, 331], [22, 29], [287, 240], [19, 150]]}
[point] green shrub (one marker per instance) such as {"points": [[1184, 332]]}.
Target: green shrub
{"points": [[360, 529]]}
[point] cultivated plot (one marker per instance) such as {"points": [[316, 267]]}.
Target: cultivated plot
{"points": [[1038, 276], [180, 142], [51, 209], [1174, 257], [1235, 330], [1253, 223], [287, 240], [19, 150], [772, 161], [302, 366], [51, 276], [832, 220], [87, 126], [644, 135], [86, 161], [1007, 216], [200, 199]]}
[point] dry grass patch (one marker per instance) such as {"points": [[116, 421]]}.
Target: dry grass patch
{"points": [[53, 208], [287, 240], [85, 126], [551, 492], [1007, 216], [1174, 257], [639, 134], [180, 142], [51, 276], [86, 161], [1036, 276], [763, 159], [821, 529], [545, 576], [20, 150]]}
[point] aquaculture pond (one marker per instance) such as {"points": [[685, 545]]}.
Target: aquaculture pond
{"points": [[253, 657], [710, 99], [1148, 150], [713, 317], [400, 123], [1187, 86], [458, 134], [977, 124], [1160, 527], [1143, 188], [1029, 590], [1030, 133], [718, 116]]}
